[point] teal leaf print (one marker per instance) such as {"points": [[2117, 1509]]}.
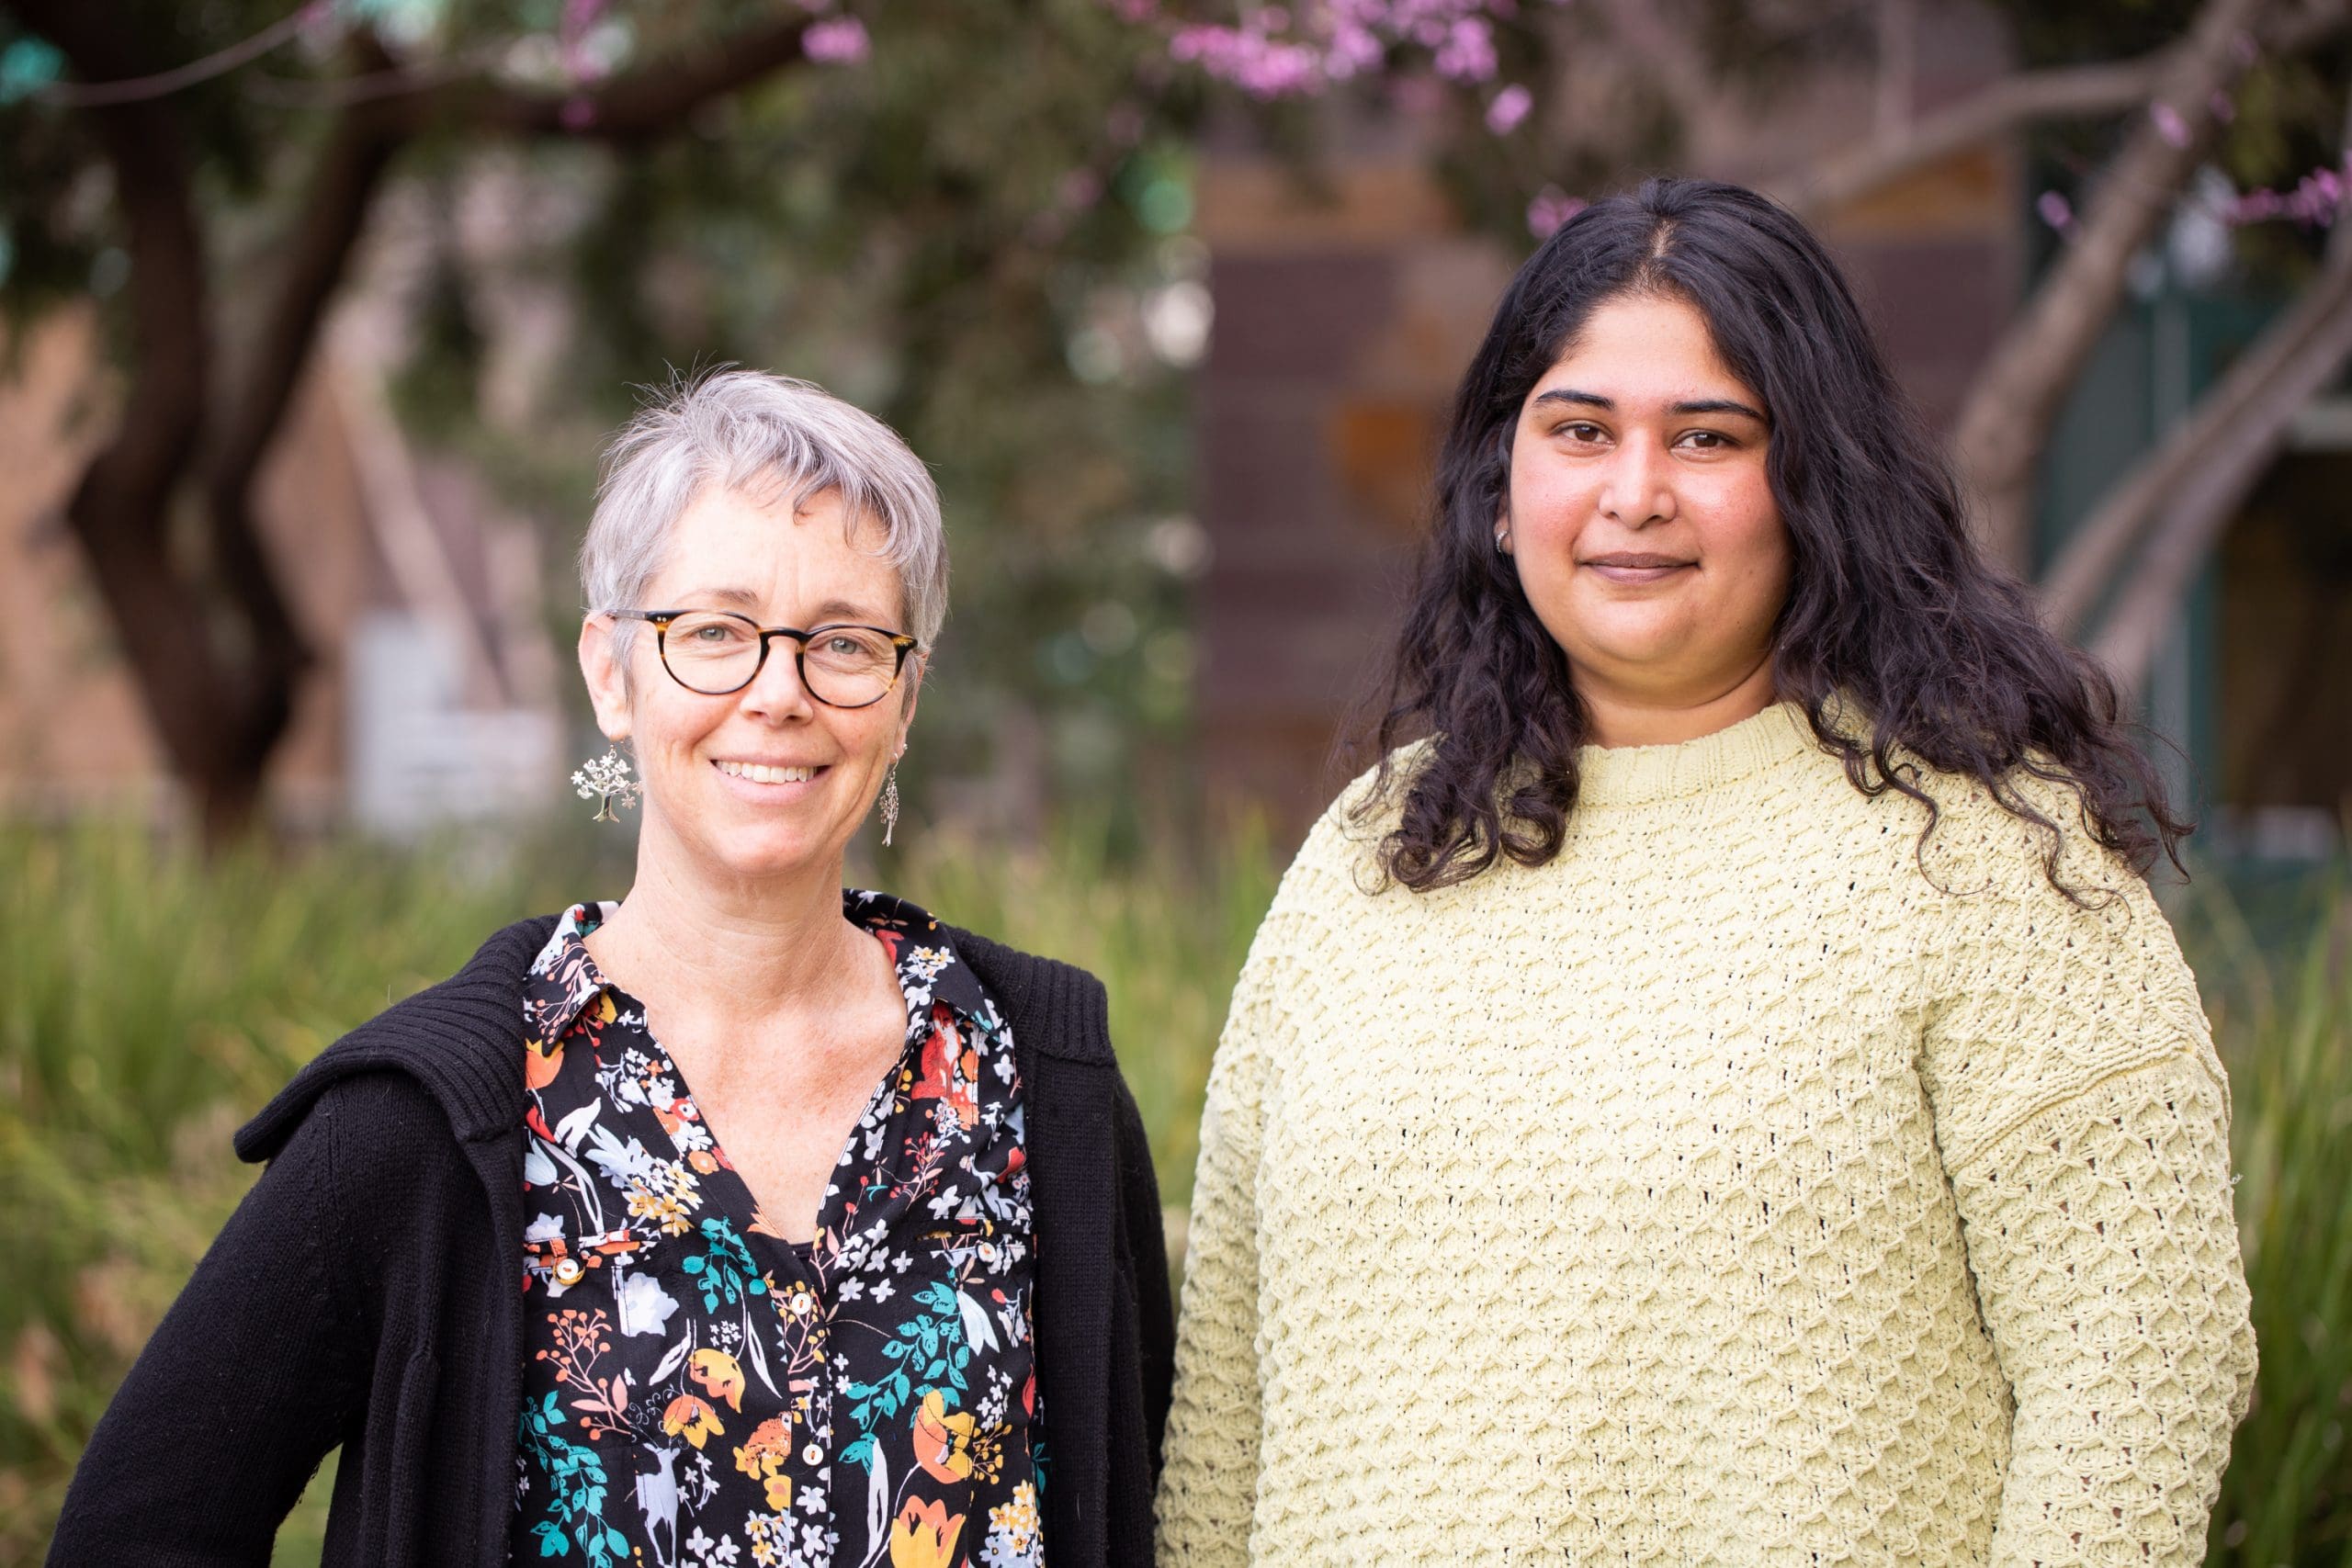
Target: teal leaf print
{"points": [[724, 1269], [928, 1353], [576, 1489]]}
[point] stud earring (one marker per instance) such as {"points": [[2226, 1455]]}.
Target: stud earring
{"points": [[890, 802], [606, 776]]}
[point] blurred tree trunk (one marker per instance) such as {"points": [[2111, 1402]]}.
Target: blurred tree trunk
{"points": [[2143, 546], [164, 511], [2006, 422], [200, 620]]}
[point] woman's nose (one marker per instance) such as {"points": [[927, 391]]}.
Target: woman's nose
{"points": [[1638, 489]]}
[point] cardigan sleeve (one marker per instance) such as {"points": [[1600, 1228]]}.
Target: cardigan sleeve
{"points": [[2084, 1120], [236, 1398], [1209, 1485], [1155, 1306]]}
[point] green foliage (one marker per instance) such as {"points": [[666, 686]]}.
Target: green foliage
{"points": [[974, 263], [154, 1000], [2287, 1040]]}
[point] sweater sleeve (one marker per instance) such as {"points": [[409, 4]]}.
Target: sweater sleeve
{"points": [[240, 1393], [1208, 1487], [2084, 1120]]}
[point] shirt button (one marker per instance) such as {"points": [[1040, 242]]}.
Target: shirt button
{"points": [[812, 1455], [568, 1271]]}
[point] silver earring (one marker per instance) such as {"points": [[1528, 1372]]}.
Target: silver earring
{"points": [[890, 803], [1502, 536], [607, 776]]}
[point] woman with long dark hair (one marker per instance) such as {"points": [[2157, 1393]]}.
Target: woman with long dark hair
{"points": [[1720, 1089]]}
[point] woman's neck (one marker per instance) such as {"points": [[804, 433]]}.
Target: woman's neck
{"points": [[1619, 717], [713, 948]]}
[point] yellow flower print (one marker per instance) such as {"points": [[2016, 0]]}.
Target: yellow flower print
{"points": [[666, 1200], [692, 1419], [764, 1457], [719, 1373], [923, 1535], [1014, 1528]]}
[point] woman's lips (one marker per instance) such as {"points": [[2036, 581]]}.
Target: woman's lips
{"points": [[1632, 569], [776, 784]]}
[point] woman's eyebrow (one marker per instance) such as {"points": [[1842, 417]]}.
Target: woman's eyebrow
{"points": [[1690, 406], [835, 610], [740, 596]]}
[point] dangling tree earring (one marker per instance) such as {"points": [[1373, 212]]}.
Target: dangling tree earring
{"points": [[607, 776], [890, 802]]}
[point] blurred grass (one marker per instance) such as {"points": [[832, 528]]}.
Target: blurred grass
{"points": [[151, 1001], [2282, 1011]]}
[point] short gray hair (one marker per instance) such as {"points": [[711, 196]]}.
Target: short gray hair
{"points": [[749, 430]]}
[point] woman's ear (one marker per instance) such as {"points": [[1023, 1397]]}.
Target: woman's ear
{"points": [[916, 666], [607, 678]]}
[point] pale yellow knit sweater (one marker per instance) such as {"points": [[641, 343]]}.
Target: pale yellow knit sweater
{"points": [[1725, 1192]]}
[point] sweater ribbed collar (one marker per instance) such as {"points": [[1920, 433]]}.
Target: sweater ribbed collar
{"points": [[1639, 775]]}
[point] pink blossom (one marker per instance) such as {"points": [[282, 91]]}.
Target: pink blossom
{"points": [[579, 16], [2316, 201], [2223, 111], [1550, 207], [1509, 107], [2170, 125], [1258, 64], [1468, 54], [837, 41], [2055, 209], [1304, 48]]}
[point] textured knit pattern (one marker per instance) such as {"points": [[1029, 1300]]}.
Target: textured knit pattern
{"points": [[1730, 1190]]}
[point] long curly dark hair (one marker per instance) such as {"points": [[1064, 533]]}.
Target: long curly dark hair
{"points": [[1892, 611]]}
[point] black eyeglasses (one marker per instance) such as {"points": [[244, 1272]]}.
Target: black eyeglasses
{"points": [[717, 651]]}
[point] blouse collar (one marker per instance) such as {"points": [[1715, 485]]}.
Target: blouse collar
{"points": [[564, 978]]}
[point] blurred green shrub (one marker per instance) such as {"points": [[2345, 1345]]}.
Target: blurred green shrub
{"points": [[2285, 1032], [151, 1001]]}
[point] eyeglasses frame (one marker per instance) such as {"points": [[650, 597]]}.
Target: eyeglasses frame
{"points": [[907, 645]]}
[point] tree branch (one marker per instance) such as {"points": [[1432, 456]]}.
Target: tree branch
{"points": [[2297, 357], [368, 135], [2209, 491], [2010, 105], [2072, 587], [331, 217], [120, 508], [647, 101], [2005, 423]]}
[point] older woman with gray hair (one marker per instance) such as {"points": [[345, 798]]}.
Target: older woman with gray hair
{"points": [[743, 1221]]}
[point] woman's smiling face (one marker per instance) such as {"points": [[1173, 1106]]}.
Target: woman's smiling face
{"points": [[1640, 518], [766, 782]]}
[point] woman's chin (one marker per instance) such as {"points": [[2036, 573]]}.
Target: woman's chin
{"points": [[767, 853]]}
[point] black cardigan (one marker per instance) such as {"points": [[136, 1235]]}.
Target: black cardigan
{"points": [[368, 1292]]}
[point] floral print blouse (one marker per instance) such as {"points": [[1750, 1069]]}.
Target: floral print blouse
{"points": [[699, 1391]]}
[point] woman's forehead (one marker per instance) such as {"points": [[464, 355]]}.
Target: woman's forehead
{"points": [[1643, 351], [745, 553]]}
